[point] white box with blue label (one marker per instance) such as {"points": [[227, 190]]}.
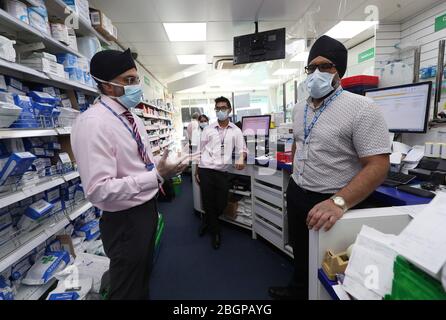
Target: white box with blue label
{"points": [[52, 195], [17, 165], [89, 230]]}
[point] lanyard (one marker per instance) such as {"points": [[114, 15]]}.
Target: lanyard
{"points": [[307, 130], [149, 166], [224, 136]]}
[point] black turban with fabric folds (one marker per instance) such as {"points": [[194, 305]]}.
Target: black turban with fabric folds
{"points": [[331, 49], [108, 64]]}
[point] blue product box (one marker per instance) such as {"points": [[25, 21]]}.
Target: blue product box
{"points": [[38, 209], [53, 146], [55, 92], [49, 153], [65, 296], [33, 143], [67, 59], [17, 165], [42, 97], [14, 83], [27, 118], [87, 78], [41, 10], [52, 195], [38, 151], [89, 230]]}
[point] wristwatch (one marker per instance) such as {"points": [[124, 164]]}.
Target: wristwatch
{"points": [[340, 202]]}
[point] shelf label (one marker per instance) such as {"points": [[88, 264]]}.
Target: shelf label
{"points": [[440, 23]]}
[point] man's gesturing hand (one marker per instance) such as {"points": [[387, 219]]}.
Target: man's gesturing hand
{"points": [[167, 169]]}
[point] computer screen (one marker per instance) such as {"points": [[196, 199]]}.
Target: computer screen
{"points": [[405, 108], [256, 125]]}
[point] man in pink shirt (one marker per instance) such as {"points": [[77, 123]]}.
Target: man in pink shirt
{"points": [[119, 173]]}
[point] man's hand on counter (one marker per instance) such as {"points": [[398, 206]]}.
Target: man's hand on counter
{"points": [[324, 214]]}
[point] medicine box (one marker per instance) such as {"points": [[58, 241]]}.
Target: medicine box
{"points": [[53, 146], [67, 59], [14, 83], [38, 151], [38, 21], [26, 203], [58, 206], [49, 153], [19, 269], [38, 196], [43, 97], [38, 209], [52, 195], [89, 230], [17, 165], [17, 9], [33, 143]]}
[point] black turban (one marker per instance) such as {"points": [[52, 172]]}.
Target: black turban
{"points": [[108, 64], [331, 49]]}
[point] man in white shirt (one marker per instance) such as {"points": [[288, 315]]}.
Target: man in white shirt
{"points": [[218, 141]]}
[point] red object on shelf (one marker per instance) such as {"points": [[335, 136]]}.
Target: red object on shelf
{"points": [[360, 81], [285, 157]]}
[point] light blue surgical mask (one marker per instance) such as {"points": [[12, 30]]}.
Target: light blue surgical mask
{"points": [[203, 125], [320, 84], [222, 115], [132, 96]]}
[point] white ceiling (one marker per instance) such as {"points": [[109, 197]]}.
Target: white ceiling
{"points": [[139, 23]]}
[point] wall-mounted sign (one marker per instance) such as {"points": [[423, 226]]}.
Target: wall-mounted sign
{"points": [[366, 55], [440, 23], [147, 81]]}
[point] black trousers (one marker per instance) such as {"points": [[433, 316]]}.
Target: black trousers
{"points": [[129, 241], [214, 187], [299, 204]]}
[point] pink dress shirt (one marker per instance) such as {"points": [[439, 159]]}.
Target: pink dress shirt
{"points": [[210, 146], [113, 175]]}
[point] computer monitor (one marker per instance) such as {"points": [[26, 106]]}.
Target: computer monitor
{"points": [[405, 108], [256, 125]]}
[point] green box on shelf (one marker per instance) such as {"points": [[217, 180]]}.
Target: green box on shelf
{"points": [[411, 283]]}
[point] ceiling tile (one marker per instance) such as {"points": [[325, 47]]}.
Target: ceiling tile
{"points": [[128, 11], [232, 10], [142, 32], [181, 10], [188, 47], [159, 60], [225, 31], [152, 48]]}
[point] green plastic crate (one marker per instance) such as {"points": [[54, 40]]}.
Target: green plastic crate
{"points": [[411, 283]]}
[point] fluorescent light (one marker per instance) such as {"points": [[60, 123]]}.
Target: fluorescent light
{"points": [[301, 57], [285, 72], [349, 29], [185, 31], [271, 81], [192, 59]]}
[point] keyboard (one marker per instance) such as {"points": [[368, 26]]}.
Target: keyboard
{"points": [[418, 192], [395, 179]]}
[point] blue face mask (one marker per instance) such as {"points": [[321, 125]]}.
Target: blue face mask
{"points": [[222, 115], [132, 96], [320, 84]]}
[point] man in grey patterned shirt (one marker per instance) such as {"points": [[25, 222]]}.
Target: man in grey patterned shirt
{"points": [[341, 155]]}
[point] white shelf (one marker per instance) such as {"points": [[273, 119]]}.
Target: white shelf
{"points": [[26, 133], [154, 138], [162, 136], [148, 128], [63, 131], [156, 149], [30, 191], [33, 292], [29, 34], [150, 116], [26, 73], [25, 243], [242, 193], [245, 226], [79, 210], [70, 176]]}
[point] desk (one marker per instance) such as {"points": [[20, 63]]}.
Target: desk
{"points": [[393, 197]]}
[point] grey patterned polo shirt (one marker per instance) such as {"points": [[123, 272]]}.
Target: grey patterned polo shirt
{"points": [[350, 128]]}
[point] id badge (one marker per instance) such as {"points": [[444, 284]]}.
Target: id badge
{"points": [[222, 151], [302, 153]]}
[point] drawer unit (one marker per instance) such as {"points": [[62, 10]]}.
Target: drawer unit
{"points": [[268, 213], [268, 194], [269, 232], [268, 175]]}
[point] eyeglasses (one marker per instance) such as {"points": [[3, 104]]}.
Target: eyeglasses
{"points": [[323, 67], [131, 81], [217, 109]]}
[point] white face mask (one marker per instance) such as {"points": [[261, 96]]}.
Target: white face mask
{"points": [[320, 84], [203, 125]]}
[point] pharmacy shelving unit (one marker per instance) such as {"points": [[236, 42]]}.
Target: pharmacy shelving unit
{"points": [[22, 33], [159, 125]]}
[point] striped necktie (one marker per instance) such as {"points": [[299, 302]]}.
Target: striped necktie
{"points": [[141, 147]]}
